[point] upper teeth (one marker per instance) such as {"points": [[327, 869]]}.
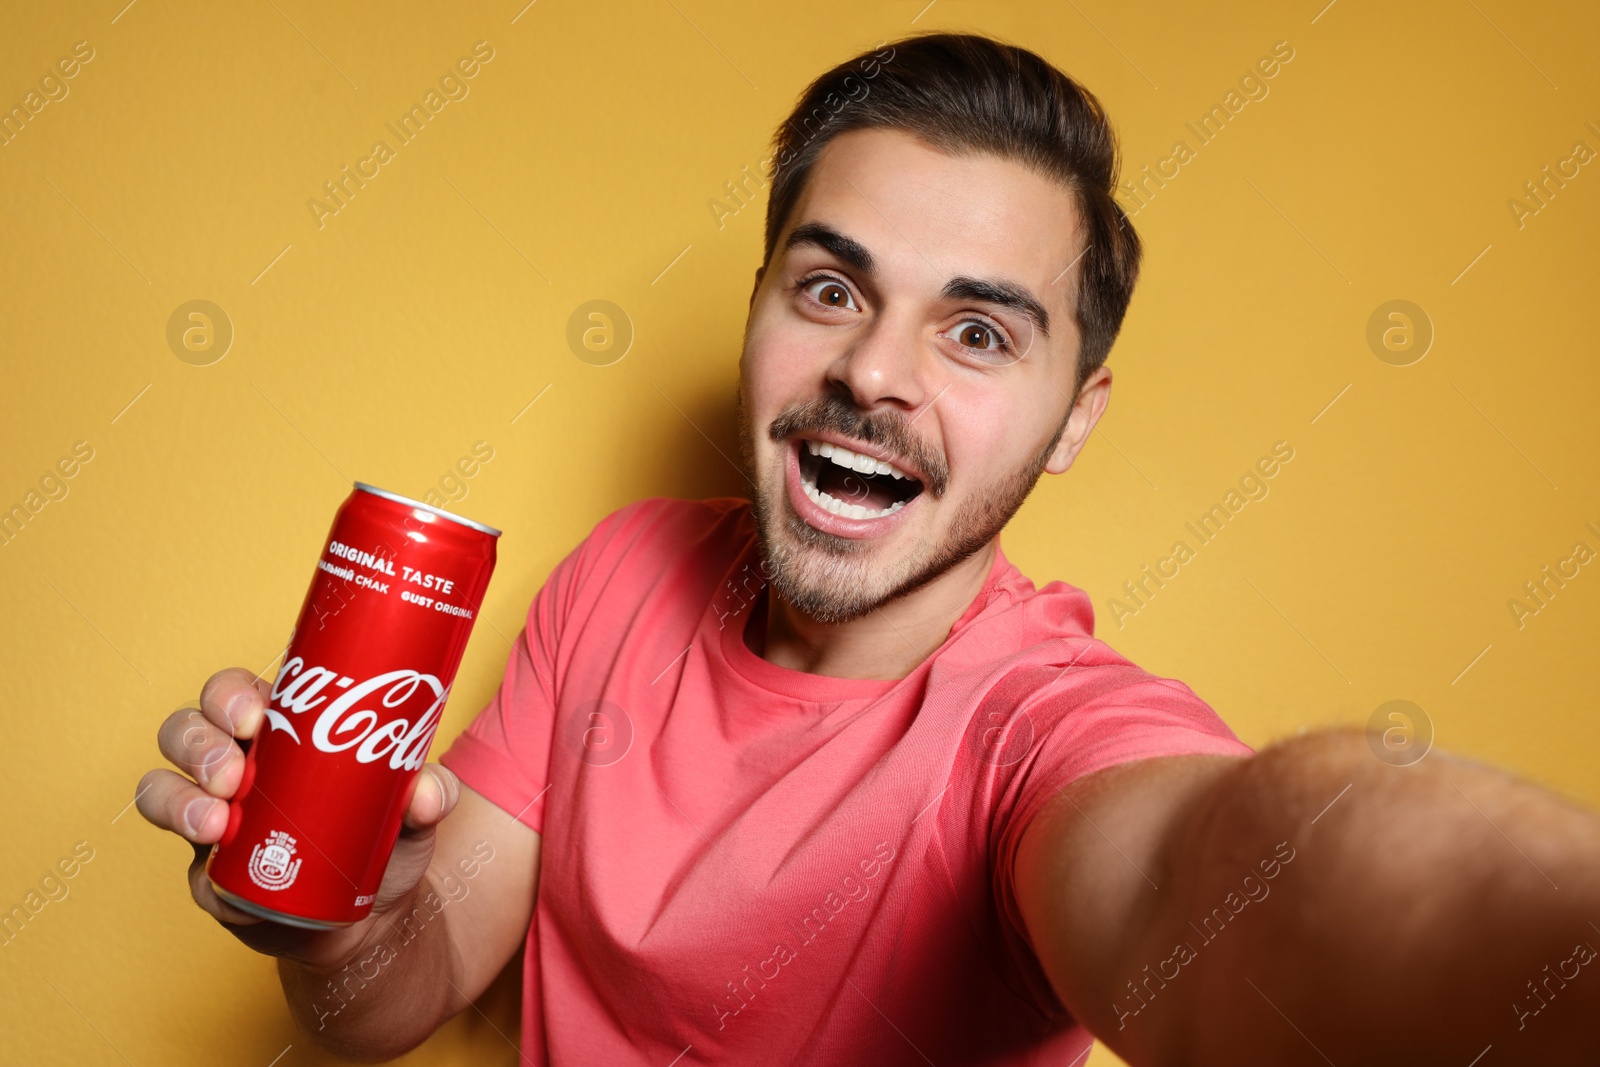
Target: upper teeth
{"points": [[855, 461]]}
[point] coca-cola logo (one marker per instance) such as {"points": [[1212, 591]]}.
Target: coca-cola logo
{"points": [[343, 723]]}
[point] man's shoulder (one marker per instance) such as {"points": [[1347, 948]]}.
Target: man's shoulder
{"points": [[668, 520], [1059, 675], [646, 546], [657, 533], [1057, 655], [1085, 685]]}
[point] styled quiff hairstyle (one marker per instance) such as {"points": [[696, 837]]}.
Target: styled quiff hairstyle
{"points": [[963, 94]]}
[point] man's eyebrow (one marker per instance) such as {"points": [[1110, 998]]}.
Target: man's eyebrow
{"points": [[832, 241], [1003, 293], [848, 249]]}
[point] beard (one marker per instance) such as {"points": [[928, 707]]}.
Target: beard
{"points": [[835, 579]]}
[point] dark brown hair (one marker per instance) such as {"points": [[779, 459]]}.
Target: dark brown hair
{"points": [[962, 93]]}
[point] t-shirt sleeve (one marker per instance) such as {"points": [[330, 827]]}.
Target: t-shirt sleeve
{"points": [[1086, 720], [504, 753]]}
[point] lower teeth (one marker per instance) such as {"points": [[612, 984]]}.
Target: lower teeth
{"points": [[844, 510]]}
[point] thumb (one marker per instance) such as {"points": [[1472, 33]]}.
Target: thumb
{"points": [[434, 797]]}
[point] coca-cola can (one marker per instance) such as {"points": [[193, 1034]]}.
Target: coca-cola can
{"points": [[352, 711]]}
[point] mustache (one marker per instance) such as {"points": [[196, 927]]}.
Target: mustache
{"points": [[888, 430]]}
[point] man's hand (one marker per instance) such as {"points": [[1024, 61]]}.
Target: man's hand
{"points": [[204, 746], [1311, 903], [450, 959]]}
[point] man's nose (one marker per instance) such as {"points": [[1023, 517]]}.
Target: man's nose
{"points": [[888, 365]]}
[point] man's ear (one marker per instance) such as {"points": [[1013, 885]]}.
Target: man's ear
{"points": [[761, 270], [1086, 411]]}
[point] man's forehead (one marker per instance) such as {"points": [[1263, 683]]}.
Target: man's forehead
{"points": [[974, 214]]}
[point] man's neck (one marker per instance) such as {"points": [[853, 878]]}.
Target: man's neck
{"points": [[887, 642]]}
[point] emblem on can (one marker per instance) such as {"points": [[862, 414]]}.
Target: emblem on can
{"points": [[271, 864]]}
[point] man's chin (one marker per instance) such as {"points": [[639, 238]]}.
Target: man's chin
{"points": [[826, 599], [827, 578]]}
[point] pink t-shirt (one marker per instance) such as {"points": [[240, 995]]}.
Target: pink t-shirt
{"points": [[748, 864]]}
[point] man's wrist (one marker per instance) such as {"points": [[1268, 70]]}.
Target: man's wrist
{"points": [[332, 997]]}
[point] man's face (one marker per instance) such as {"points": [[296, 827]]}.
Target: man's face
{"points": [[917, 322]]}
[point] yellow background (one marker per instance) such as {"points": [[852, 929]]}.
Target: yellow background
{"points": [[429, 312]]}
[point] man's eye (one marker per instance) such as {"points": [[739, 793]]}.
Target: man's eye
{"points": [[980, 336], [830, 293]]}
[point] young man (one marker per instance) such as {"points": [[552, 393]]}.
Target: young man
{"points": [[822, 779]]}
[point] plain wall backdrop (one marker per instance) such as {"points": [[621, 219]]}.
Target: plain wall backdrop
{"points": [[1438, 153]]}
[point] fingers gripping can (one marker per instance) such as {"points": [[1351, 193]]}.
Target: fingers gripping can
{"points": [[352, 711]]}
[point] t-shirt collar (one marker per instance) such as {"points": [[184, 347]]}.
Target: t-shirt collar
{"points": [[821, 688]]}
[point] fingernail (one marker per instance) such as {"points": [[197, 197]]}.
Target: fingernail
{"points": [[242, 708], [211, 763], [195, 813]]}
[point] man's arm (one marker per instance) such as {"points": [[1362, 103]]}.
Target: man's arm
{"points": [[1313, 903], [437, 949]]}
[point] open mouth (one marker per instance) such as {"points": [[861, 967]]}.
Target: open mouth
{"points": [[850, 484]]}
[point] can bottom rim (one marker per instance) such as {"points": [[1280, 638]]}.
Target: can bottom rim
{"points": [[273, 916]]}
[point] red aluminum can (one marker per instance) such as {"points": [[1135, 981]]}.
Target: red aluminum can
{"points": [[352, 712]]}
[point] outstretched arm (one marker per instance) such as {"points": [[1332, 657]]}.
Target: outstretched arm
{"points": [[1313, 903]]}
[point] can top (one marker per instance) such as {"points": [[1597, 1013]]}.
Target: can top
{"points": [[397, 498]]}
